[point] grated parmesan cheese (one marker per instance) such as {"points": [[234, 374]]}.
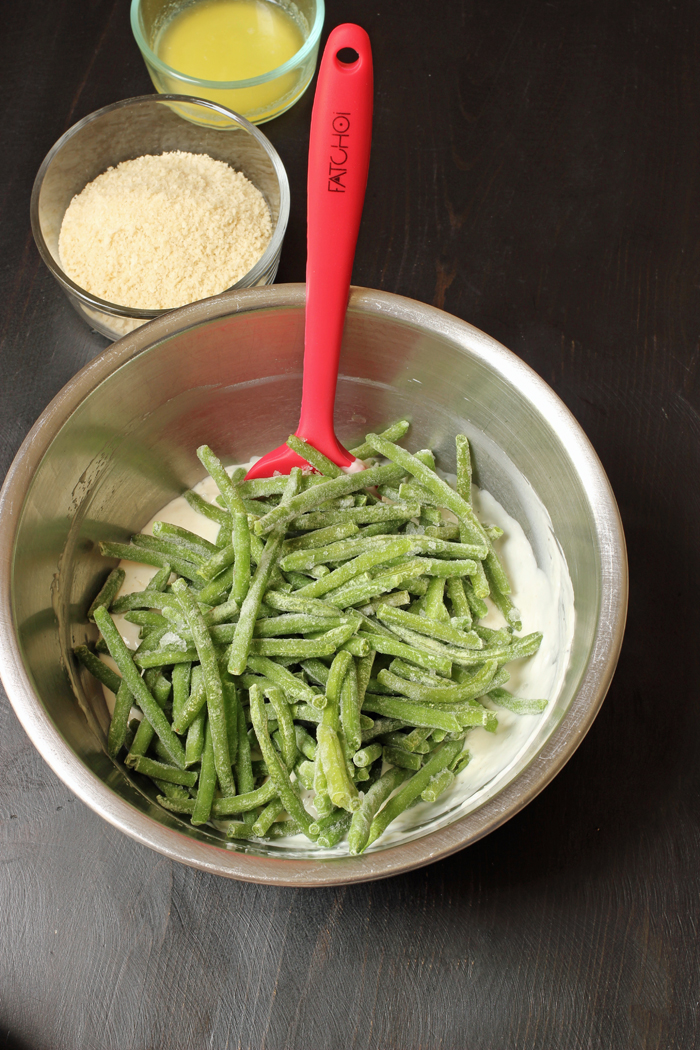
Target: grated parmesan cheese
{"points": [[162, 231]]}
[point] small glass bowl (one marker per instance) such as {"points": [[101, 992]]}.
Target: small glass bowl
{"points": [[258, 98], [151, 124]]}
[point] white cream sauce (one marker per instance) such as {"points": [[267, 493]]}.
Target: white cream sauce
{"points": [[542, 593]]}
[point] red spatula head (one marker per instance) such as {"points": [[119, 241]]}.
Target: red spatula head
{"points": [[341, 132]]}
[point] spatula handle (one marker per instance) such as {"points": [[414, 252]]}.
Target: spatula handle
{"points": [[341, 133]]}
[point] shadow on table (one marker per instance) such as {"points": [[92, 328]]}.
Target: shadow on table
{"points": [[12, 1042]]}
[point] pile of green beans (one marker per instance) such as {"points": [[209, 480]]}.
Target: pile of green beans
{"points": [[318, 669]]}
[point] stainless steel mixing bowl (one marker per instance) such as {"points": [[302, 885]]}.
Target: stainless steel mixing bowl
{"points": [[118, 443]]}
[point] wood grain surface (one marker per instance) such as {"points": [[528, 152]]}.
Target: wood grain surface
{"points": [[535, 171]]}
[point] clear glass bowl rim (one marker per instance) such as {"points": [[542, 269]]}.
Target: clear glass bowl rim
{"points": [[227, 85], [116, 309]]}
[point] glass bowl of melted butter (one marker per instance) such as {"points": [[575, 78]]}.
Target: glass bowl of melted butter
{"points": [[256, 57]]}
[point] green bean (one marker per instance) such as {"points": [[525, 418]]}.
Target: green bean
{"points": [[194, 703], [231, 711], [165, 657], [412, 789], [375, 797], [434, 602], [364, 672], [241, 644], [404, 759], [304, 771], [207, 780], [122, 657], [278, 773], [516, 704], [446, 530], [184, 538], [477, 605], [437, 785], [116, 737], [458, 600], [97, 668], [393, 433], [350, 709], [336, 674], [149, 768], [479, 581], [302, 648], [358, 590], [464, 468], [367, 755], [146, 618], [491, 637], [296, 623], [383, 553], [288, 683], [245, 803], [376, 513], [417, 739], [322, 800], [150, 598], [416, 674], [213, 592], [173, 552], [357, 645], [380, 727], [321, 493], [272, 811], [433, 661], [292, 603], [209, 510], [108, 591], [243, 554], [461, 762], [172, 791], [176, 805], [285, 722], [331, 833], [318, 672], [343, 550], [194, 743], [446, 496], [160, 579], [444, 632], [305, 743], [216, 563], [341, 789], [321, 537], [312, 456], [411, 713], [131, 552], [504, 605], [181, 687], [395, 599], [151, 638], [477, 685], [265, 487]]}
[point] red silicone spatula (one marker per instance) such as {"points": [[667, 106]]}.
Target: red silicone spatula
{"points": [[341, 131]]}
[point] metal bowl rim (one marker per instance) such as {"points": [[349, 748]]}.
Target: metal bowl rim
{"points": [[555, 752]]}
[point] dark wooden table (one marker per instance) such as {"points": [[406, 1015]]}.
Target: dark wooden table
{"points": [[536, 171]]}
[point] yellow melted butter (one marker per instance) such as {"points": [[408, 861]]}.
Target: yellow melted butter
{"points": [[229, 39]]}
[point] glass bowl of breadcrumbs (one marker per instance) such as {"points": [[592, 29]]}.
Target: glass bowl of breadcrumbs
{"points": [[156, 202]]}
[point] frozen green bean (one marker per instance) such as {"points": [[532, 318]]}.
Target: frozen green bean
{"points": [[107, 592]]}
